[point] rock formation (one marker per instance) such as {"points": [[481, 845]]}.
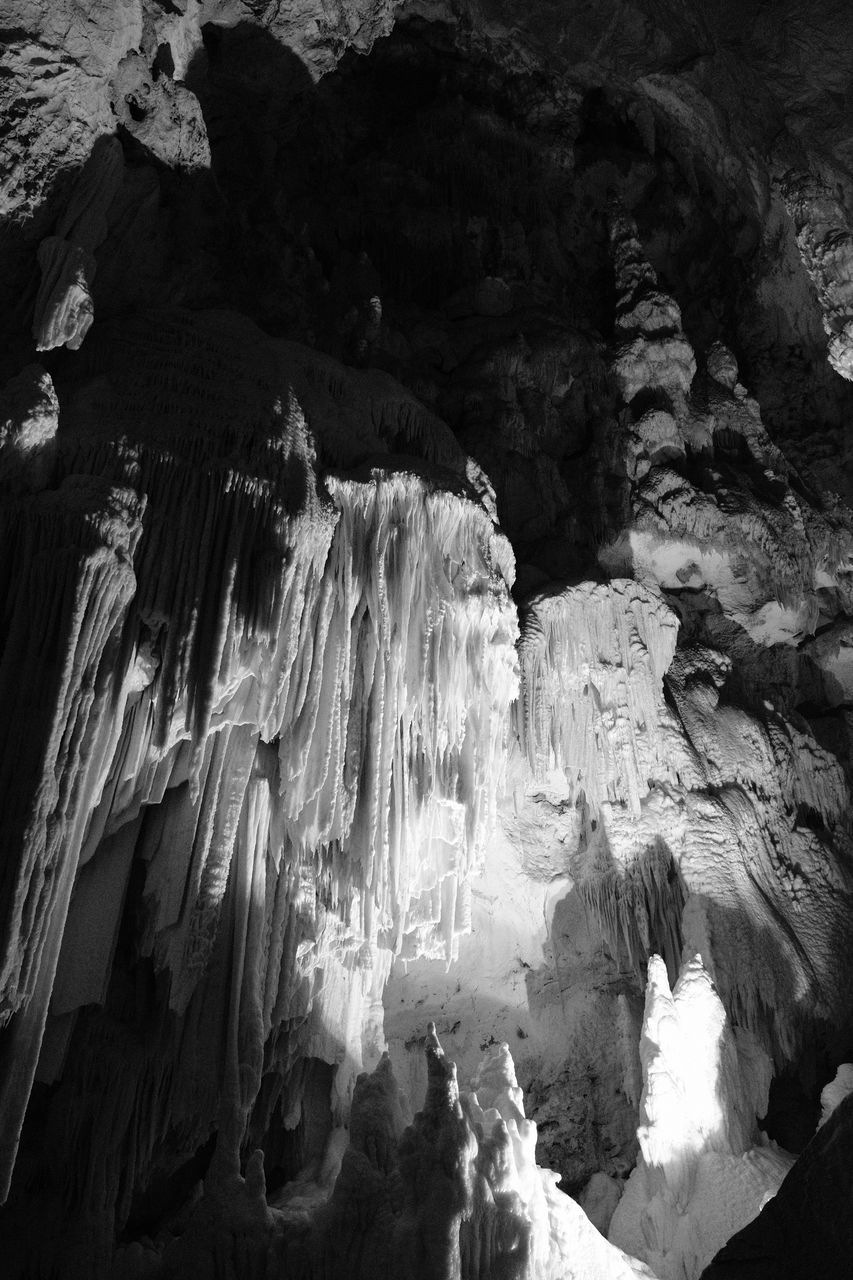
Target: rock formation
{"points": [[803, 1230], [700, 1174], [457, 1192], [424, 612]]}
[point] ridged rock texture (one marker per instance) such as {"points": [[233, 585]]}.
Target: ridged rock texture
{"points": [[425, 599]]}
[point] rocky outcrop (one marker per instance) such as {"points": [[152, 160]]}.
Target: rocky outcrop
{"points": [[64, 310], [30, 418], [826, 246], [804, 1230]]}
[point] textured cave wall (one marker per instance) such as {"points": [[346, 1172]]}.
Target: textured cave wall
{"points": [[300, 307]]}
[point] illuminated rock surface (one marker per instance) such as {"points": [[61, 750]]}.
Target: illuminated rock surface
{"points": [[425, 604], [700, 1176]]}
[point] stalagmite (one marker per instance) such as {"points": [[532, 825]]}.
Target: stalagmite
{"points": [[654, 354], [701, 1175], [456, 1193]]}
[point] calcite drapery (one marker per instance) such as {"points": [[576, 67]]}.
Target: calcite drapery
{"points": [[208, 720]]}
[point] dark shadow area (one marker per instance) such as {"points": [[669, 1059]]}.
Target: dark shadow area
{"points": [[293, 1148], [587, 1122], [404, 215], [256, 96], [166, 1195], [637, 907], [117, 1148], [793, 1110], [806, 1229]]}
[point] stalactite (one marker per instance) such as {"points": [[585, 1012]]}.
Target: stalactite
{"points": [[218, 785], [71, 554], [638, 908], [592, 663]]}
